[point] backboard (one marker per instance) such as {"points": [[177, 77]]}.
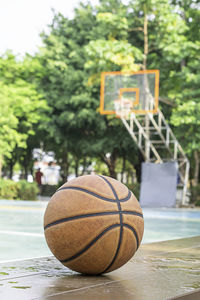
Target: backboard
{"points": [[139, 90]]}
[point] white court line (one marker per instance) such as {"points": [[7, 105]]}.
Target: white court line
{"points": [[22, 233], [182, 249], [19, 207]]}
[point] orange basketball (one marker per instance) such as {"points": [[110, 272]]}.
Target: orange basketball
{"points": [[93, 224]]}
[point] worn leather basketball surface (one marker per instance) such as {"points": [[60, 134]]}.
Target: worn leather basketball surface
{"points": [[93, 224]]}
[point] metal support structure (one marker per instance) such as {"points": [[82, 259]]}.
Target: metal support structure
{"points": [[157, 143]]}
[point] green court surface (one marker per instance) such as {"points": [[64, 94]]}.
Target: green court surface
{"points": [[21, 227], [21, 230]]}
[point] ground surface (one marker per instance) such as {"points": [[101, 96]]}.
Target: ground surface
{"points": [[158, 271]]}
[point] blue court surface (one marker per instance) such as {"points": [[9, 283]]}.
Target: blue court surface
{"points": [[21, 227]]}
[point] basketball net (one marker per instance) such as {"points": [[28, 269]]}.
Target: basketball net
{"points": [[123, 107]]}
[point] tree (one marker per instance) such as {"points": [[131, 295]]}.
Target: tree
{"points": [[71, 86], [142, 34], [186, 115], [21, 107], [170, 32]]}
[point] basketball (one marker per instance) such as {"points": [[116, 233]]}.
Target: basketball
{"points": [[93, 224]]}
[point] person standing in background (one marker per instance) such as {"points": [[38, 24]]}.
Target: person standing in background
{"points": [[38, 179]]}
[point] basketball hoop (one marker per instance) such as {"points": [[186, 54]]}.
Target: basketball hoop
{"points": [[123, 107], [141, 88]]}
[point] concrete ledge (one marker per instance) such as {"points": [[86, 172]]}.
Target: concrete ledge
{"points": [[165, 270]]}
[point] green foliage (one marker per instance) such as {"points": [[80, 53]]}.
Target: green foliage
{"points": [[100, 167], [9, 136], [113, 25], [112, 55], [197, 203], [22, 106], [22, 190], [135, 188], [27, 190], [186, 117], [195, 195], [8, 189]]}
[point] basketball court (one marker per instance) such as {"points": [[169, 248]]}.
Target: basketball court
{"points": [[22, 237]]}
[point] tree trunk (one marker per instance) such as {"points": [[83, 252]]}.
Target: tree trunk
{"points": [[138, 167], [76, 168], [147, 103], [111, 163], [196, 168], [11, 164], [26, 161], [183, 62], [111, 168], [146, 46], [123, 168], [64, 172], [84, 166], [26, 171], [1, 164], [31, 170]]}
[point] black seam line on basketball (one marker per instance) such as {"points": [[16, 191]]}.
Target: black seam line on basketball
{"points": [[94, 194], [90, 244], [118, 205], [118, 247], [134, 232], [121, 222], [135, 213], [113, 190], [105, 213]]}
